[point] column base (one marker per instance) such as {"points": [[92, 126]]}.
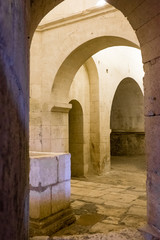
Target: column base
{"points": [[150, 232], [51, 224]]}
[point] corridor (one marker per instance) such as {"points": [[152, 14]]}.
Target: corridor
{"points": [[112, 203]]}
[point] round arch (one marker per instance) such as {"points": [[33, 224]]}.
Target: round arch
{"points": [[76, 139], [142, 15], [76, 59], [127, 119]]}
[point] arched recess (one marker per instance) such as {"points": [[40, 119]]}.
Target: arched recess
{"points": [[76, 139], [127, 120], [72, 63]]}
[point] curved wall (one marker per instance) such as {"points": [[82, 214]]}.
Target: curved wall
{"points": [[76, 139], [127, 120]]}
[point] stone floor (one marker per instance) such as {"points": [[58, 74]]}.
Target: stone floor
{"points": [[114, 205]]}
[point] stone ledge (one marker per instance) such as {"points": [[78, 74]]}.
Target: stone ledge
{"points": [[89, 13], [51, 224], [61, 107]]}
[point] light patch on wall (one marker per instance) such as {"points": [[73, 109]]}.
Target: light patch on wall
{"points": [[101, 3]]}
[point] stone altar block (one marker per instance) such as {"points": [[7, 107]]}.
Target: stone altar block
{"points": [[50, 176]]}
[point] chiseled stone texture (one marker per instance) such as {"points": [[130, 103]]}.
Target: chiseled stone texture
{"points": [[64, 164], [49, 192], [14, 119], [60, 196], [43, 170], [40, 204], [126, 234]]}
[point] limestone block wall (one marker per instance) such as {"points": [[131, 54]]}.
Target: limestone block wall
{"points": [[80, 91], [127, 143], [127, 120], [76, 140], [49, 193], [49, 130], [114, 65], [57, 42], [94, 114]]}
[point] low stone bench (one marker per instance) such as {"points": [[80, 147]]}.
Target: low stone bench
{"points": [[50, 176]]}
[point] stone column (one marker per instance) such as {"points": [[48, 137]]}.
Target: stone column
{"points": [[152, 125], [144, 18], [14, 120]]}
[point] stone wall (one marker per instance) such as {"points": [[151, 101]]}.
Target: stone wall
{"points": [[66, 81], [127, 143], [49, 193], [80, 93], [76, 139], [14, 119]]}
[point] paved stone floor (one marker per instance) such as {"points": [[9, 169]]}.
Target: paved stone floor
{"points": [[112, 203]]}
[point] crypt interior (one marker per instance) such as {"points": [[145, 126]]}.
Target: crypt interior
{"points": [[80, 139]]}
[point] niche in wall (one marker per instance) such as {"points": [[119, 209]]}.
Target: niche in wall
{"points": [[127, 120], [76, 139]]}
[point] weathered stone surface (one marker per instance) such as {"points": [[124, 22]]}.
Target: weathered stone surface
{"points": [[49, 225], [40, 238], [40, 204], [152, 95], [139, 211], [64, 168], [104, 228], [124, 7], [108, 211], [14, 120], [151, 50], [149, 31], [152, 144], [66, 85], [126, 234], [50, 200], [144, 13], [111, 220], [43, 171], [134, 221], [14, 102], [127, 143], [94, 215], [60, 196]]}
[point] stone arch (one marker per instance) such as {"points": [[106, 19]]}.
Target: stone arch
{"points": [[94, 113], [142, 15], [72, 63], [91, 117], [76, 139], [127, 119]]}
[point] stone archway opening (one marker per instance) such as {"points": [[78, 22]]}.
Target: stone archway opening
{"points": [[59, 95], [143, 16], [76, 139], [127, 126]]}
